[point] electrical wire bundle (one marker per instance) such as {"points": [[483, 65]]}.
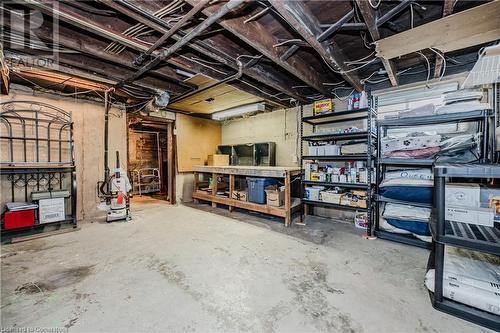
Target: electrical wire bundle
{"points": [[3, 66], [140, 29]]}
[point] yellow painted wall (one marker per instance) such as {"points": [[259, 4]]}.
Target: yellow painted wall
{"points": [[196, 139]]}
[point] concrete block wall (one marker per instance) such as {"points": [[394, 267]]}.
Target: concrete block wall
{"points": [[281, 127]]}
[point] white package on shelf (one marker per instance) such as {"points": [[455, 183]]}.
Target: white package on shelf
{"points": [[480, 270], [412, 142], [465, 294], [406, 212]]}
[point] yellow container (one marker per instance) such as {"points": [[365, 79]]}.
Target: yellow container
{"points": [[218, 160]]}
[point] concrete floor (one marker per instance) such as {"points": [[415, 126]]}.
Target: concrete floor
{"points": [[179, 269]]}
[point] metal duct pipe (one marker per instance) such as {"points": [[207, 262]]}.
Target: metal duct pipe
{"points": [[232, 4], [235, 76], [107, 106], [199, 6]]}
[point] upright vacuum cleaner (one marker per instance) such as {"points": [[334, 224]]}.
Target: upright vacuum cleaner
{"points": [[119, 189], [115, 188]]}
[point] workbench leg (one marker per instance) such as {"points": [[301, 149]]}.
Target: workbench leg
{"points": [[288, 203], [214, 188], [231, 189], [196, 182], [306, 209]]}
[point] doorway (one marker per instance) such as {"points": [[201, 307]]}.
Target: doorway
{"points": [[151, 162]]}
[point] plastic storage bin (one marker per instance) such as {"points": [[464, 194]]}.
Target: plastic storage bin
{"points": [[19, 219], [256, 188]]}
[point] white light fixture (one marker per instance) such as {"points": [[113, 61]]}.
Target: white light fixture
{"points": [[184, 73], [239, 111]]}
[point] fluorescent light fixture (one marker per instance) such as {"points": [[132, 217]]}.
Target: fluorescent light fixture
{"points": [[184, 73], [239, 111], [412, 94]]}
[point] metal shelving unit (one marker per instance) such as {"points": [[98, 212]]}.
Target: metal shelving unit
{"points": [[39, 156], [481, 117], [470, 236], [348, 185], [353, 157], [368, 136], [332, 205]]}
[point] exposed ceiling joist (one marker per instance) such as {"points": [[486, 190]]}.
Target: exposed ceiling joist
{"points": [[81, 66], [255, 72], [370, 17], [468, 28], [94, 27], [85, 45], [257, 36], [165, 54], [447, 10], [188, 16], [303, 21]]}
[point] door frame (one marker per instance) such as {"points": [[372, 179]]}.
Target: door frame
{"points": [[168, 126]]}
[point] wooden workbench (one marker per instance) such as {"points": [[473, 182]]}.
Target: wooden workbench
{"points": [[285, 173]]}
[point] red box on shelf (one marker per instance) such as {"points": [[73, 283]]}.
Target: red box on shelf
{"points": [[18, 219]]}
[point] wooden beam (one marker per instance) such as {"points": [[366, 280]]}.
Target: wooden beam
{"points": [[107, 33], [188, 16], [258, 37], [468, 28], [192, 34], [448, 7], [84, 44], [256, 72], [300, 18], [447, 10], [370, 17], [99, 71]]}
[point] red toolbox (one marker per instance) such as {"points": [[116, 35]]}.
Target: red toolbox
{"points": [[18, 219]]}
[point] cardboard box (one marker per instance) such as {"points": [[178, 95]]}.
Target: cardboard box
{"points": [[360, 203], [51, 210], [323, 106], [218, 160], [330, 197], [479, 216], [275, 197], [361, 220], [239, 195], [463, 195]]}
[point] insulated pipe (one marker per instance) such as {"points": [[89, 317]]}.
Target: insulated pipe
{"points": [[235, 76], [232, 4], [106, 134]]}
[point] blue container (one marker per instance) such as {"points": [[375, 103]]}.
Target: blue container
{"points": [[256, 187]]}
